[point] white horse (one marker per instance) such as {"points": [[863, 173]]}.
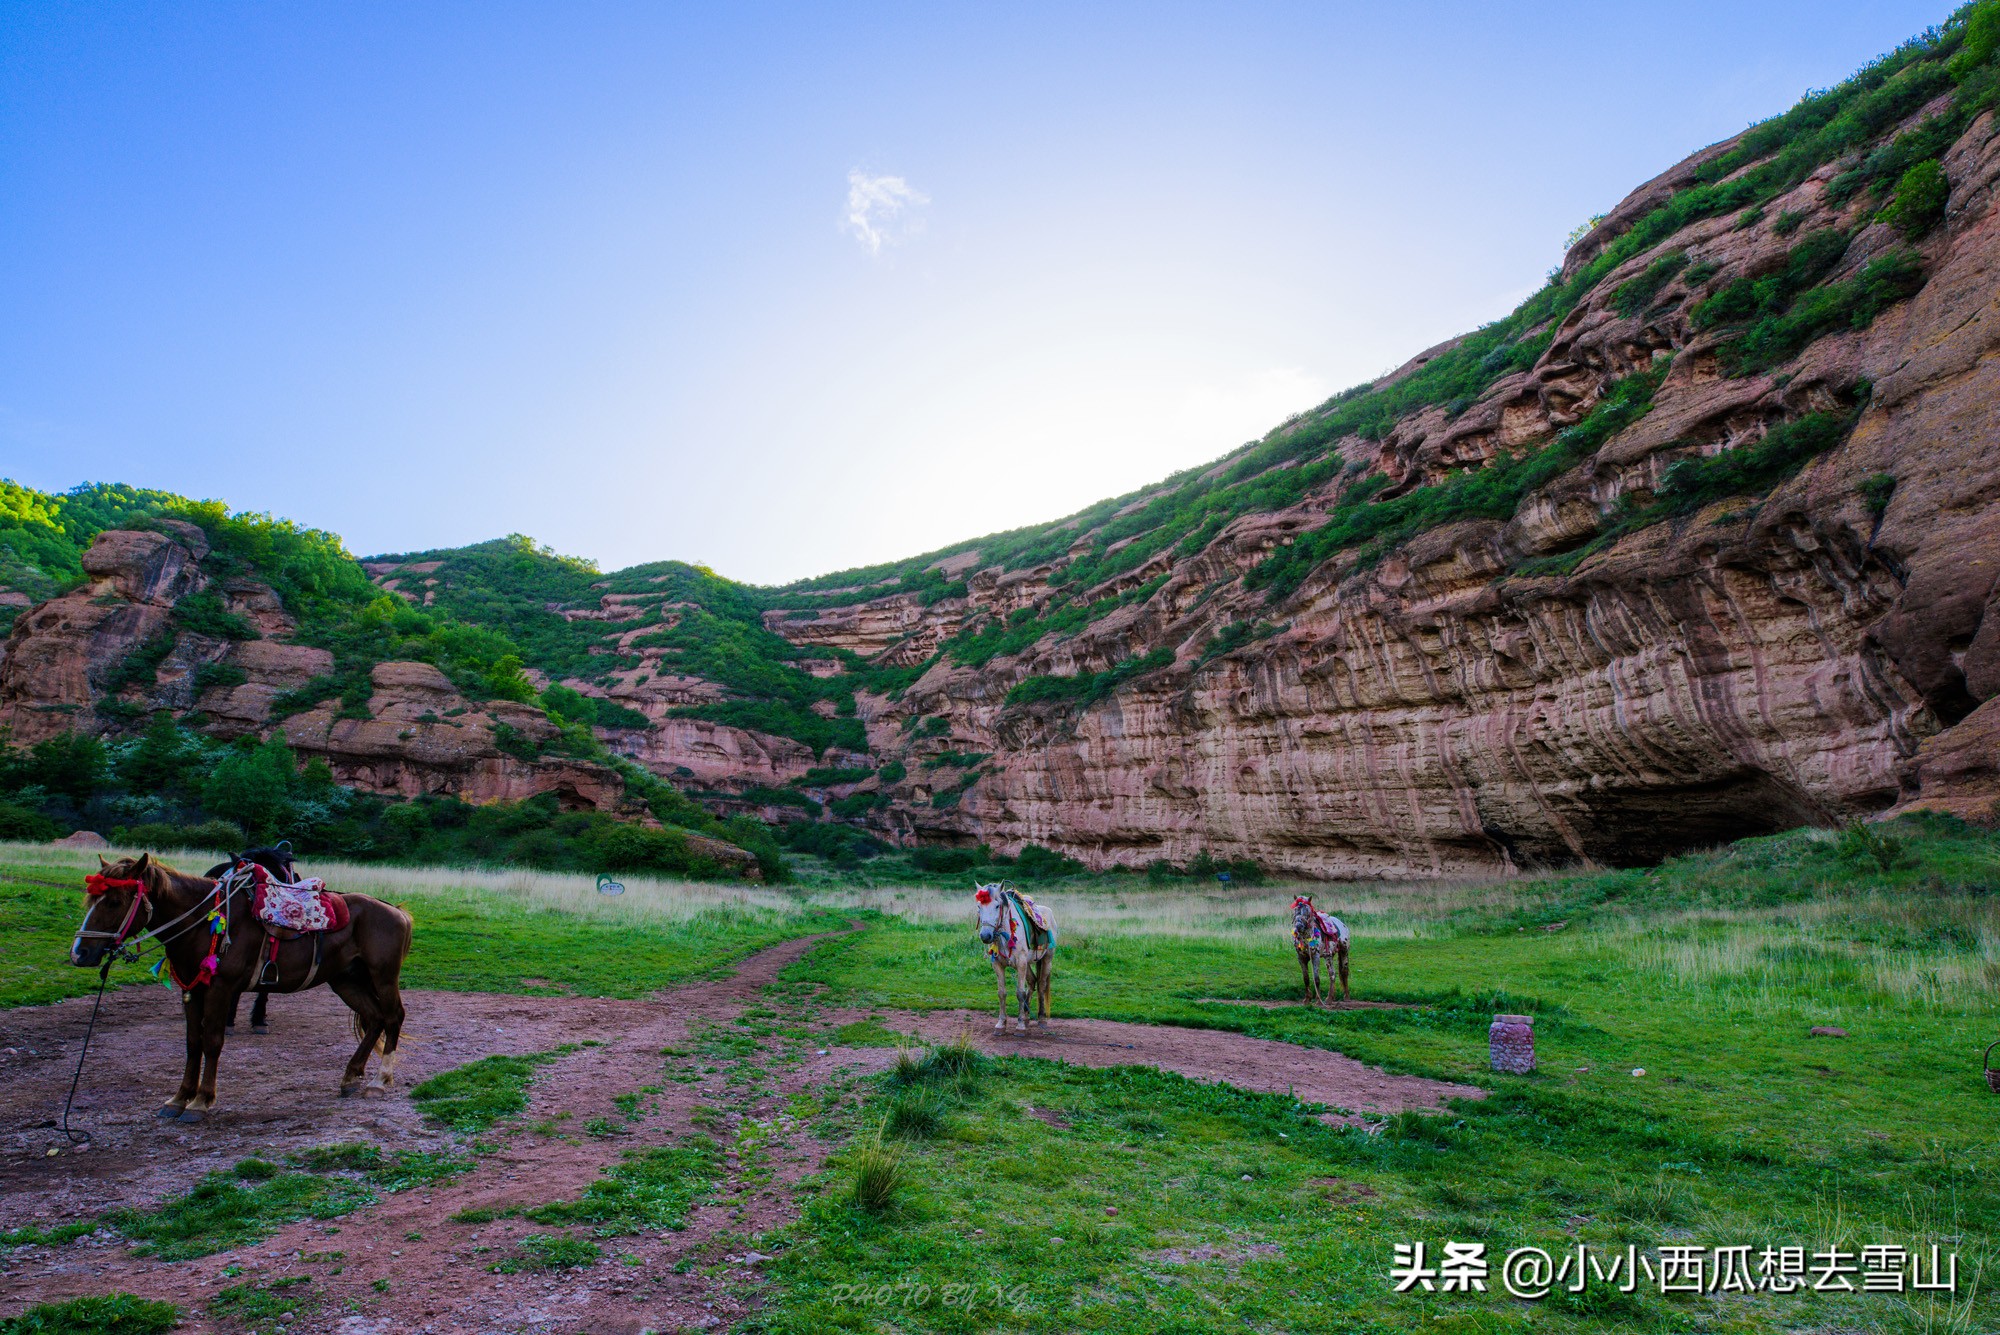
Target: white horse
{"points": [[1013, 939], [1318, 936]]}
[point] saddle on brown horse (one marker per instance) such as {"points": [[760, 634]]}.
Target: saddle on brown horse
{"points": [[288, 910]]}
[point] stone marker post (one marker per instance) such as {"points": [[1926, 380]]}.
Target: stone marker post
{"points": [[1512, 1043]]}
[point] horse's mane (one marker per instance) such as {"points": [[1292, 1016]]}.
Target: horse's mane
{"points": [[156, 873]]}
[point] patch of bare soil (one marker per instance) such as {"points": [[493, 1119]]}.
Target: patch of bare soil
{"points": [[402, 1264], [1313, 1075], [278, 1096], [1305, 1005]]}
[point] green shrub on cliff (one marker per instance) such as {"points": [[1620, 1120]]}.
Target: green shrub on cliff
{"points": [[1783, 450], [1085, 689], [1918, 204], [1493, 492], [1786, 331], [1634, 294]]}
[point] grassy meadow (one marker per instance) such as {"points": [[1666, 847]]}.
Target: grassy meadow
{"points": [[1237, 1210], [1188, 1207]]}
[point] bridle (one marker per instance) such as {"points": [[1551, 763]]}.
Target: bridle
{"points": [[96, 885], [1005, 924]]}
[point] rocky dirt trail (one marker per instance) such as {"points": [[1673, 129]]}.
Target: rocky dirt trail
{"points": [[403, 1263]]}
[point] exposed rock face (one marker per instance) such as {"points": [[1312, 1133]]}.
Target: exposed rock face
{"points": [[1755, 666], [422, 736], [273, 669], [61, 653], [701, 754], [63, 656]]}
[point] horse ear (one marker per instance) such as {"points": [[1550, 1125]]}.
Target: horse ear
{"points": [[145, 861], [102, 865]]}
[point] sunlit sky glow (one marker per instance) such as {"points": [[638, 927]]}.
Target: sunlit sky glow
{"points": [[787, 289]]}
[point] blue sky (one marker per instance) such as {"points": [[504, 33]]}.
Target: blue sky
{"points": [[790, 288]]}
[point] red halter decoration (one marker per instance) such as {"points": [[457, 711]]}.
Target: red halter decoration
{"points": [[983, 895], [96, 884]]}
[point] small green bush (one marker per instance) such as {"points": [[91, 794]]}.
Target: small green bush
{"points": [[950, 860], [1693, 483], [1876, 489], [1086, 688], [1635, 294], [1919, 201], [17, 822], [218, 676], [1035, 863], [834, 777], [203, 613], [1872, 846]]}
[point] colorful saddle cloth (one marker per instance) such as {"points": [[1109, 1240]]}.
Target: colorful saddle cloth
{"points": [[301, 906], [1331, 928], [1041, 925]]}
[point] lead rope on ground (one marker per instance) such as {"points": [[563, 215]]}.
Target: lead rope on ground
{"points": [[103, 980]]}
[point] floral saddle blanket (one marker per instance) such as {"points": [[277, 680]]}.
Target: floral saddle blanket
{"points": [[298, 906]]}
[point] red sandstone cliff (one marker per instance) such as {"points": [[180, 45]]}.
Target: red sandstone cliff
{"points": [[1759, 665], [67, 655]]}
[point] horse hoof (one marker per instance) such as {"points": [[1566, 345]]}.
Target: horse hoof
{"points": [[260, 1028], [190, 1115], [168, 1112]]}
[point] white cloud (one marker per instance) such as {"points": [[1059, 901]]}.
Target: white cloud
{"points": [[882, 210]]}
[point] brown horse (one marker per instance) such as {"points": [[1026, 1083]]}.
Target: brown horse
{"points": [[141, 897]]}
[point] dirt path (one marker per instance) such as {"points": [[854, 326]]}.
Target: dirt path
{"points": [[1313, 1075], [278, 1097]]}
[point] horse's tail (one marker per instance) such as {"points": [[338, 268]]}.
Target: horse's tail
{"points": [[360, 1032]]}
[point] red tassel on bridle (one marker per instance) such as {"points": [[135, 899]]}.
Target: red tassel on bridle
{"points": [[97, 884]]}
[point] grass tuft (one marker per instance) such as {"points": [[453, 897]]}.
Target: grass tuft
{"points": [[919, 1114], [878, 1176], [104, 1314], [550, 1251], [276, 1301], [648, 1189]]}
